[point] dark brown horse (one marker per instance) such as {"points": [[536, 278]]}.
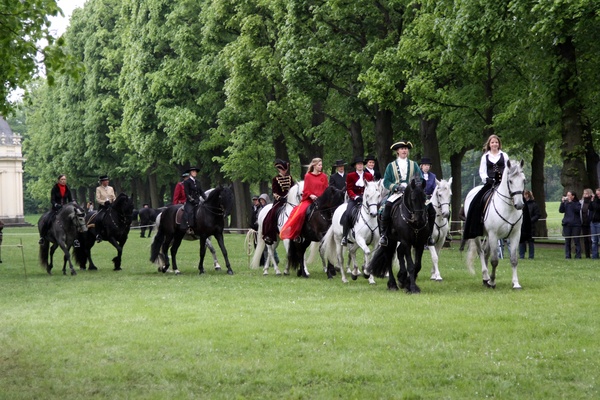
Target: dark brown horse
{"points": [[209, 220], [318, 220], [115, 224], [409, 228]]}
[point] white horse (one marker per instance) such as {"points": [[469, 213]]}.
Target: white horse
{"points": [[502, 219], [440, 200], [293, 199], [364, 233]]}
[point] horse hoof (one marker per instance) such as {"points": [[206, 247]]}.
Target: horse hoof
{"points": [[201, 272], [93, 268], [229, 272], [393, 288], [517, 287], [117, 269], [265, 272], [73, 272], [354, 277], [82, 268], [177, 272], [217, 267]]}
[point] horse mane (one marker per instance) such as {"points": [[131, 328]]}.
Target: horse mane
{"points": [[221, 196], [123, 204]]}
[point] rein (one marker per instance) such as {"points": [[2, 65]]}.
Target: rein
{"points": [[412, 214]]}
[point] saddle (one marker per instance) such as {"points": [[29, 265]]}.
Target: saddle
{"points": [[179, 214]]}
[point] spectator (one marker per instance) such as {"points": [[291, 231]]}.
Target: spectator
{"points": [[585, 220], [534, 216], [595, 223], [571, 223], [254, 214]]}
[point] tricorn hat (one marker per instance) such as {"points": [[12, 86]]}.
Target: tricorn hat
{"points": [[425, 160], [192, 169], [357, 159], [401, 144], [103, 178], [339, 163], [370, 157], [281, 164]]}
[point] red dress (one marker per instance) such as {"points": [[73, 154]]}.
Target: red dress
{"points": [[313, 184]]}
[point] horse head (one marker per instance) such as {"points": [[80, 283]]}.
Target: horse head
{"points": [[76, 214], [372, 198], [123, 205], [414, 201], [220, 198], [441, 197], [295, 194], [515, 182]]}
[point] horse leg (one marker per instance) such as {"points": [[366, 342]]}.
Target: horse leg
{"points": [[514, 260], [67, 259], [491, 255], [339, 252], [117, 259], [272, 248], [219, 237], [214, 254], [165, 252], [51, 265], [174, 247], [417, 264]]}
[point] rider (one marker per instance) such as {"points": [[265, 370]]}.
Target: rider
{"points": [[398, 175], [429, 177], [315, 183], [105, 195], [371, 166], [193, 194], [60, 194], [280, 185], [179, 193], [338, 178], [355, 186], [491, 168]]}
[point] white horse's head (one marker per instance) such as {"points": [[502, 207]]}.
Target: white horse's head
{"points": [[515, 182], [295, 194], [372, 197], [441, 197]]}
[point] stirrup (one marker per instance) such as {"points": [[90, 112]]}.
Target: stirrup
{"points": [[98, 238], [344, 241], [41, 241], [190, 231], [383, 241]]}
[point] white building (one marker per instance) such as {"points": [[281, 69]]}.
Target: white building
{"points": [[11, 176]]}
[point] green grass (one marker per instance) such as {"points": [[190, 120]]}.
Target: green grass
{"points": [[138, 334]]}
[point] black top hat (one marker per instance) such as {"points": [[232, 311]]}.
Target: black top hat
{"points": [[192, 169], [339, 163], [425, 160], [103, 178], [185, 174], [401, 144], [370, 157], [357, 159], [280, 164]]}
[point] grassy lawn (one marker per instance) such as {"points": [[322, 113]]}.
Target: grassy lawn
{"points": [[140, 334]]}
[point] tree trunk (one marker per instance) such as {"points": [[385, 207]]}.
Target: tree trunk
{"points": [[384, 138], [537, 185], [142, 191], [358, 146], [457, 200], [153, 187], [240, 215], [431, 148], [591, 157], [573, 176]]}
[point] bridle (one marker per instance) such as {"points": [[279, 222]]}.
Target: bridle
{"points": [[508, 200], [413, 214]]}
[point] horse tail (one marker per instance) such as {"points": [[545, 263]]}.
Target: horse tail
{"points": [[260, 248], [381, 260], [79, 252], [314, 250], [156, 244], [295, 259], [44, 254], [471, 254], [327, 247]]}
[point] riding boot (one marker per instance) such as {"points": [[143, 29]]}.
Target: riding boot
{"points": [[345, 229], [384, 223]]}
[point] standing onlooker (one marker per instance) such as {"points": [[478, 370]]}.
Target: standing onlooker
{"points": [[585, 220], [571, 223], [534, 216], [595, 223], [90, 206], [254, 215], [338, 178]]}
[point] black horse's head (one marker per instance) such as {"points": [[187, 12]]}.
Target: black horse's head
{"points": [[123, 205], [331, 198], [414, 199], [221, 197]]}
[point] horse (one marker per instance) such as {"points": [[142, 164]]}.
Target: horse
{"points": [[502, 219], [209, 220], [440, 201], [364, 232], [293, 199], [69, 221], [318, 219], [115, 224], [147, 219], [409, 227]]}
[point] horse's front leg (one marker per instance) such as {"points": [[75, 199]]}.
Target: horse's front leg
{"points": [[492, 253], [411, 272], [213, 252], [339, 252], [176, 242], [219, 237], [514, 260], [403, 276], [51, 265], [67, 259], [117, 259]]}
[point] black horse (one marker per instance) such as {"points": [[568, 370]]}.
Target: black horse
{"points": [[64, 229], [209, 220], [410, 227], [318, 220], [115, 224], [147, 218]]}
